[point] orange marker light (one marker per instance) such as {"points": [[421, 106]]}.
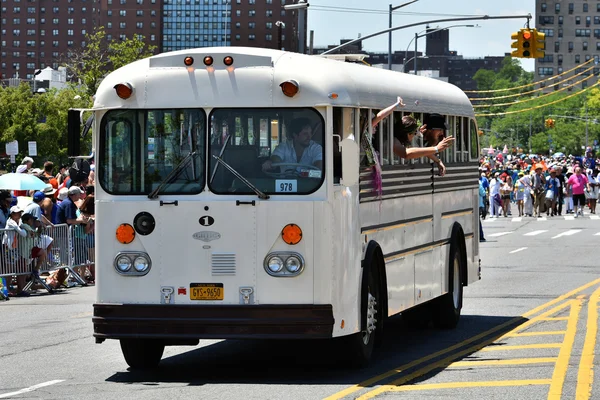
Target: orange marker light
{"points": [[291, 234], [125, 233], [289, 88], [228, 61], [188, 61], [526, 35], [208, 61], [124, 90]]}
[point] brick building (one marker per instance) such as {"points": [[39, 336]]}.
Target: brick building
{"points": [[39, 33]]}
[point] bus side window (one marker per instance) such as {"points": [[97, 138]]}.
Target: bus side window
{"points": [[458, 142], [338, 133], [474, 145]]}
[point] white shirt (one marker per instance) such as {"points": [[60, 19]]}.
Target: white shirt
{"points": [[287, 153], [495, 187]]}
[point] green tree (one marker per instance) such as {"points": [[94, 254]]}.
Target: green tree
{"points": [[123, 52]]}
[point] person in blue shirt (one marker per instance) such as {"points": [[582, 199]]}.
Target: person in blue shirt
{"points": [[481, 206], [67, 210]]}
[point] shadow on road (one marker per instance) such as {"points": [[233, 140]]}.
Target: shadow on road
{"points": [[308, 362]]}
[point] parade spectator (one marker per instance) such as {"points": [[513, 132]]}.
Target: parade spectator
{"points": [[561, 192], [519, 193], [495, 201], [578, 182], [538, 183], [552, 188], [35, 208], [481, 206], [505, 190], [592, 194], [62, 174], [67, 210], [10, 247]]}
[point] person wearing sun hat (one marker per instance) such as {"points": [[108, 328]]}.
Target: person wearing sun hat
{"points": [[10, 242]]}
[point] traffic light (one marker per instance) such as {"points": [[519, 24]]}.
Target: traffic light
{"points": [[539, 44], [480, 133], [549, 123], [527, 43]]}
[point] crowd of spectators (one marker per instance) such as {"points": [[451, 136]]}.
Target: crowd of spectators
{"points": [[29, 218]]}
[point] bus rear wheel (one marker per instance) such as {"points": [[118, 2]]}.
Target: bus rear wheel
{"points": [[361, 344], [142, 353], [446, 309]]}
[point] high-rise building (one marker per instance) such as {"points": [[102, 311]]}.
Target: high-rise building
{"points": [[41, 33], [572, 37]]}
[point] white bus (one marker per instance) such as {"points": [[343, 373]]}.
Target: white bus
{"points": [[196, 239]]}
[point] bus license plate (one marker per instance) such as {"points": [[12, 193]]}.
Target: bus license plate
{"points": [[206, 291]]}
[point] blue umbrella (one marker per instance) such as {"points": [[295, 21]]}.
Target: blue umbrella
{"points": [[13, 181], [559, 154]]}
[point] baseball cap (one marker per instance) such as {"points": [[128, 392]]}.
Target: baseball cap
{"points": [[38, 196], [15, 209], [75, 190]]}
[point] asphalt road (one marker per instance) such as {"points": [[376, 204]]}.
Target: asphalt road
{"points": [[524, 329]]}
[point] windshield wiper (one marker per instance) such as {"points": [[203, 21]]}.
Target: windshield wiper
{"points": [[175, 172], [256, 190]]}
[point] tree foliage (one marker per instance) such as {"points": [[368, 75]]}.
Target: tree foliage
{"points": [[97, 57], [526, 130]]}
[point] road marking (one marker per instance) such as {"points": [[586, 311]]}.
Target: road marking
{"points": [[511, 361], [569, 218], [594, 216], [597, 234], [518, 250], [542, 219], [524, 346], [31, 388], [570, 232], [560, 371], [445, 361], [585, 376], [556, 319], [456, 385], [378, 378], [535, 233], [499, 234], [538, 333], [517, 219]]}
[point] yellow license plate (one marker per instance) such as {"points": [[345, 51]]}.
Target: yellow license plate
{"points": [[206, 291]]}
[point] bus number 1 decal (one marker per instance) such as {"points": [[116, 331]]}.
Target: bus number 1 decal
{"points": [[286, 186]]}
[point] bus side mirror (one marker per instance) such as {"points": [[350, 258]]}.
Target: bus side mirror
{"points": [[74, 133], [350, 161]]}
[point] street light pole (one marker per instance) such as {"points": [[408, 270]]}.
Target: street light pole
{"points": [[280, 26], [415, 60], [390, 34], [301, 6]]}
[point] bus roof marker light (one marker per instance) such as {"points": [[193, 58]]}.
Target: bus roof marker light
{"points": [[228, 61], [208, 61], [124, 90], [333, 96], [291, 234], [125, 233], [289, 88], [188, 61]]}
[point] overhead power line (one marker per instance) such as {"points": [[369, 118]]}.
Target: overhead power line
{"points": [[386, 12], [541, 105], [529, 84], [533, 91]]}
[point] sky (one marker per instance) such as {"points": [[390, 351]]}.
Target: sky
{"points": [[492, 38]]}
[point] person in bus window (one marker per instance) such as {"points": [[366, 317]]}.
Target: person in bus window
{"points": [[298, 149], [405, 132]]}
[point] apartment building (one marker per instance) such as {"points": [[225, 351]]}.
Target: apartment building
{"points": [[35, 34], [572, 38]]}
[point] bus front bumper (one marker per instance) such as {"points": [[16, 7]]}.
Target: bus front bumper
{"points": [[188, 322]]}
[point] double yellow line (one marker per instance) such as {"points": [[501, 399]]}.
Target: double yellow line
{"points": [[585, 376]]}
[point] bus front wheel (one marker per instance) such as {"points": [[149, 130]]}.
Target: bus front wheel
{"points": [[142, 353], [361, 344], [446, 309]]}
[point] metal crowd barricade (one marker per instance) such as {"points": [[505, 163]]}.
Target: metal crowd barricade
{"points": [[65, 248]]}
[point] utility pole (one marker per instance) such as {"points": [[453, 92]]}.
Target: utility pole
{"points": [[415, 60], [390, 35], [530, 128]]}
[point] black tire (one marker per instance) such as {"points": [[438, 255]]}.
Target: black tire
{"points": [[142, 353], [446, 310], [359, 346]]}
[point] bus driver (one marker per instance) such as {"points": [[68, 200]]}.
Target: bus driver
{"points": [[301, 149]]}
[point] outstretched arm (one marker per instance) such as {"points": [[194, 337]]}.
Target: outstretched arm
{"points": [[387, 111]]}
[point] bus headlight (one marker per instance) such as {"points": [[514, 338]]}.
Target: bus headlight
{"points": [[141, 264], [284, 264], [275, 264], [132, 263], [123, 264], [293, 264]]}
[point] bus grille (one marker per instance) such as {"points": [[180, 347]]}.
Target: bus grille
{"points": [[223, 264]]}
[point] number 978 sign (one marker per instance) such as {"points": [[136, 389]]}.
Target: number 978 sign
{"points": [[286, 186]]}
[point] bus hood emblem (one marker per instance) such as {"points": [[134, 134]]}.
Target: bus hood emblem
{"points": [[207, 236]]}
